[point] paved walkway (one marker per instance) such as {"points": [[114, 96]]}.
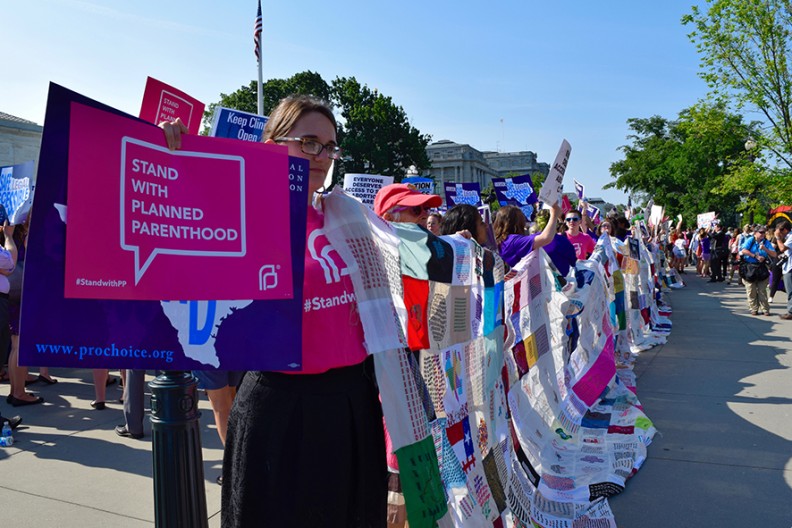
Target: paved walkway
{"points": [[720, 393], [68, 468]]}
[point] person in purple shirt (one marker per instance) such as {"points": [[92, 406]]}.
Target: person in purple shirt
{"points": [[513, 243], [562, 253], [704, 244]]}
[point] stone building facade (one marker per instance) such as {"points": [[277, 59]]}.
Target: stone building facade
{"points": [[20, 140], [458, 163], [523, 162], [461, 163]]}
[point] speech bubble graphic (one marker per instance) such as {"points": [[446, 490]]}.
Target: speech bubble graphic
{"points": [[172, 106], [162, 102], [171, 203]]}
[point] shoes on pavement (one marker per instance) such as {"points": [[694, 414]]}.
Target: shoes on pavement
{"points": [[754, 312], [786, 316], [14, 422], [48, 381], [121, 430], [99, 406], [16, 402], [767, 313]]}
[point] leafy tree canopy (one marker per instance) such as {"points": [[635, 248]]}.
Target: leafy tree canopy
{"points": [[693, 164], [745, 53], [374, 133]]}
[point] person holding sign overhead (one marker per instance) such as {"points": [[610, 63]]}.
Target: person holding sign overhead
{"points": [[308, 449], [513, 243]]}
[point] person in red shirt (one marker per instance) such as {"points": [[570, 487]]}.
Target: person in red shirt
{"points": [[583, 244]]}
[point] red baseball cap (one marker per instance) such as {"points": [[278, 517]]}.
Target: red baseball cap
{"points": [[403, 194]]}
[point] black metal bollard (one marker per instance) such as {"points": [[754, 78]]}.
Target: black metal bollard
{"points": [[179, 493]]}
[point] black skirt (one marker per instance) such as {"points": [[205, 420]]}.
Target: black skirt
{"points": [[306, 451]]}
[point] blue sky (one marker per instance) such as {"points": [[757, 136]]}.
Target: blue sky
{"points": [[549, 70]]}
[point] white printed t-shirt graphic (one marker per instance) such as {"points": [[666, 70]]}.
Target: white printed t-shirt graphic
{"points": [[321, 250]]}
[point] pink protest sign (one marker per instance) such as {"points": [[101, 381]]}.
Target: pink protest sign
{"points": [[147, 223], [162, 102]]}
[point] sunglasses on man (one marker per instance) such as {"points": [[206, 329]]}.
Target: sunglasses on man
{"points": [[416, 210], [572, 219]]}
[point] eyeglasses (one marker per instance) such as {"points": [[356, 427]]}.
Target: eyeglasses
{"points": [[573, 219], [313, 148], [415, 210]]}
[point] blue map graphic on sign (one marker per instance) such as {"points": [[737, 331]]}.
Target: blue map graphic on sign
{"points": [[464, 196], [16, 191], [518, 191]]}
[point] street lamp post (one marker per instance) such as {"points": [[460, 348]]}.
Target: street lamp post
{"points": [[750, 147], [179, 494]]}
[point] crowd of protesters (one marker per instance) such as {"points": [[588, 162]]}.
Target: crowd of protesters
{"points": [[755, 257], [717, 253], [337, 388]]}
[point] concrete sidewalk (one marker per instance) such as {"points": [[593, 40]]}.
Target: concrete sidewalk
{"points": [[68, 468], [720, 394]]}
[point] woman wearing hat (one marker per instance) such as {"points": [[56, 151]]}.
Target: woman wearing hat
{"points": [[400, 202]]}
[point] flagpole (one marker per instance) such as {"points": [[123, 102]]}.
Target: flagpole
{"points": [[260, 92], [257, 30]]}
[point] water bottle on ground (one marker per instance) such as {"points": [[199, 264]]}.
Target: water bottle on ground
{"points": [[6, 441], [7, 431]]}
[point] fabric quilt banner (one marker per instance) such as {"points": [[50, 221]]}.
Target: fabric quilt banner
{"points": [[530, 424]]}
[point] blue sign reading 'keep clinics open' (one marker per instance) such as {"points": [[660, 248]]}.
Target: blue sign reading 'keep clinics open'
{"points": [[229, 123]]}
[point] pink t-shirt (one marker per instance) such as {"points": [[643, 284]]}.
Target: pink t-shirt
{"points": [[584, 245], [332, 333]]}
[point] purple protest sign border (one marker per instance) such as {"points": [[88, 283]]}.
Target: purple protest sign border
{"points": [[518, 193], [60, 332], [16, 197], [467, 196]]}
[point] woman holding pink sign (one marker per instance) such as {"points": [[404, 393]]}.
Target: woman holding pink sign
{"points": [[307, 449]]}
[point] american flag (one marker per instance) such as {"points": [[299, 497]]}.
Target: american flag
{"points": [[257, 32]]}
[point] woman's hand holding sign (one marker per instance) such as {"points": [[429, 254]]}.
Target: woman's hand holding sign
{"points": [[173, 132]]}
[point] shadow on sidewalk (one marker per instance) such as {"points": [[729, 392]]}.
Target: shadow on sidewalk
{"points": [[720, 396]]}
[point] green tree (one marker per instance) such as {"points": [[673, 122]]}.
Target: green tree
{"points": [[375, 135], [245, 99], [537, 178], [488, 196], [745, 52], [687, 165]]}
